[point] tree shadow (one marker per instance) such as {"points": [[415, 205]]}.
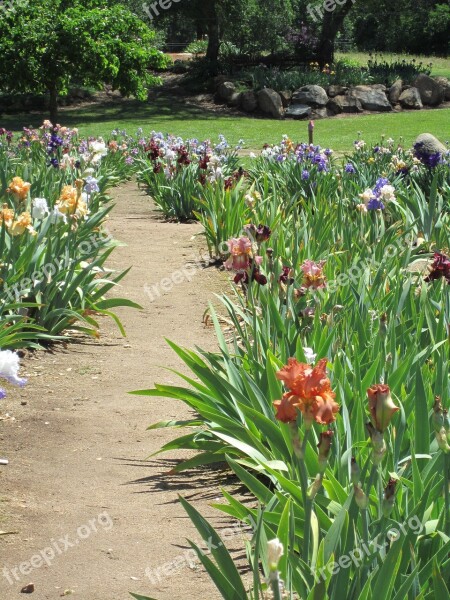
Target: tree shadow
{"points": [[161, 106]]}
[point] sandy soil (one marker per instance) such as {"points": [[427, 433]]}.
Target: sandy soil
{"points": [[81, 501]]}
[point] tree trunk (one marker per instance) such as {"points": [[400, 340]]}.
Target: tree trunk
{"points": [[212, 23], [200, 29], [53, 104], [332, 23]]}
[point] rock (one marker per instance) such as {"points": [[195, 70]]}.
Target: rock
{"points": [[344, 104], [320, 113], [235, 99], [395, 91], [219, 79], [379, 86], [313, 95], [269, 101], [298, 111], [286, 97], [431, 92], [445, 84], [371, 98], [336, 90], [249, 102], [225, 91], [28, 589], [411, 99], [429, 144]]}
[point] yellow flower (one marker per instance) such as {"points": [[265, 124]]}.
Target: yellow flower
{"points": [[67, 203], [82, 209], [6, 216], [70, 201], [22, 224], [19, 189], [371, 160]]}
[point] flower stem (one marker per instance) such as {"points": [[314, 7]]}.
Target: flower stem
{"points": [[307, 502], [365, 536], [307, 529], [372, 476], [275, 584], [447, 493]]}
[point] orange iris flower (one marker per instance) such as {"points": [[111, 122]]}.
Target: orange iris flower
{"points": [[309, 392]]}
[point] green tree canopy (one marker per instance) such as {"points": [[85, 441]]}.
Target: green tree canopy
{"points": [[47, 44]]}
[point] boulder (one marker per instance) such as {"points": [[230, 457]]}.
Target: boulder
{"points": [[395, 91], [225, 91], [286, 97], [336, 90], [431, 92], [371, 98], [379, 86], [320, 113], [445, 84], [411, 99], [298, 111], [429, 144], [344, 104], [249, 102], [235, 99], [269, 102], [312, 95]]}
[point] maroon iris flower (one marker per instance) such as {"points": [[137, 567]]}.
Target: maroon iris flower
{"points": [[440, 268], [255, 275], [260, 233], [285, 276]]}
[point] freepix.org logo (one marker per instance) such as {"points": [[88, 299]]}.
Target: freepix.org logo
{"points": [[153, 10]]}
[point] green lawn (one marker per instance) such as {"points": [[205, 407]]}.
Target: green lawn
{"points": [[441, 66], [169, 115]]}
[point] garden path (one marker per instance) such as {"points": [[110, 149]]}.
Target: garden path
{"points": [[78, 444]]}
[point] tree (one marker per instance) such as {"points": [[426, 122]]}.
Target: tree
{"points": [[45, 45], [386, 26], [328, 16], [261, 26]]}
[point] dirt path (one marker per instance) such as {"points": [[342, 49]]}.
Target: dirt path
{"points": [[77, 490]]}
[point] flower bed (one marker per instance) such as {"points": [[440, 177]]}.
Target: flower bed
{"points": [[328, 395], [53, 235]]}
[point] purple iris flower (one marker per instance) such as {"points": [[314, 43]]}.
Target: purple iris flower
{"points": [[91, 185], [375, 204], [381, 182], [429, 160]]}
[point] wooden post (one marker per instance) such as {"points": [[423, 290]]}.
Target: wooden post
{"points": [[311, 132]]}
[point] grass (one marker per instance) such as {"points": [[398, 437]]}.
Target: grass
{"points": [[441, 66], [170, 115]]}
